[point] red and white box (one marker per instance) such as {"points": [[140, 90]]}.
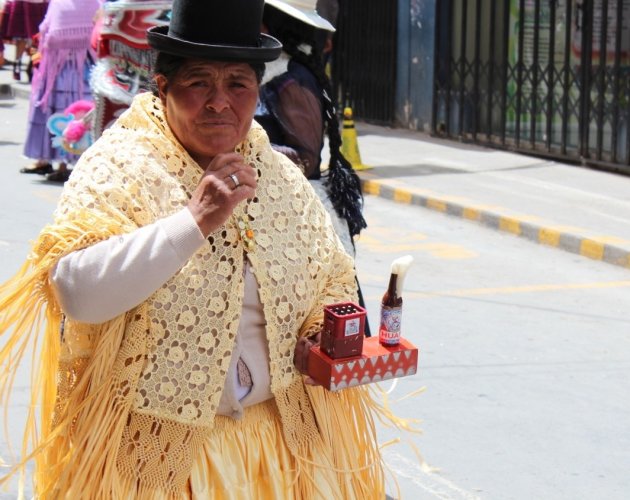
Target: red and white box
{"points": [[376, 363]]}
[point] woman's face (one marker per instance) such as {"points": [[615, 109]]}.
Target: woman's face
{"points": [[209, 106]]}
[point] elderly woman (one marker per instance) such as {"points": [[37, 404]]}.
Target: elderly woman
{"points": [[186, 267]]}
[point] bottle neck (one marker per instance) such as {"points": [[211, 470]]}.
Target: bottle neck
{"points": [[392, 297]]}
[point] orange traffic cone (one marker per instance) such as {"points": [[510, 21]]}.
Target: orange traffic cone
{"points": [[349, 144]]}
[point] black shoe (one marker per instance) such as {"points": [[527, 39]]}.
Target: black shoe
{"points": [[29, 72], [58, 176], [17, 69], [39, 168]]}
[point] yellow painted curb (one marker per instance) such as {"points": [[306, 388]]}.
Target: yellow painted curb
{"points": [[436, 204], [510, 225], [471, 214], [592, 249], [371, 187], [402, 196], [549, 237]]}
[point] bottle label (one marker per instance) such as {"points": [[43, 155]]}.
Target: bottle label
{"points": [[389, 331]]}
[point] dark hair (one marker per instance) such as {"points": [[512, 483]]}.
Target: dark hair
{"points": [[168, 65], [342, 183]]}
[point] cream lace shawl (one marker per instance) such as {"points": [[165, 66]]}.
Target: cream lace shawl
{"points": [[139, 393]]}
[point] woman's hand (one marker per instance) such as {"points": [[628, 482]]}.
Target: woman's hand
{"points": [[227, 181], [300, 355]]}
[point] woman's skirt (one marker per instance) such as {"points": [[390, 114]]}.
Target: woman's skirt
{"points": [[248, 459], [66, 90], [21, 19]]}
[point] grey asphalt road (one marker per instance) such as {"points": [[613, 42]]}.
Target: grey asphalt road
{"points": [[525, 361]]}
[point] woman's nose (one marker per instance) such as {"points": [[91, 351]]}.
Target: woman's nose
{"points": [[218, 101]]}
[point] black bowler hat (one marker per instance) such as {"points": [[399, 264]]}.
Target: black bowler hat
{"points": [[221, 30]]}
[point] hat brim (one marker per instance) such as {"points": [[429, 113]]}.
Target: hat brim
{"points": [[310, 17], [268, 50]]}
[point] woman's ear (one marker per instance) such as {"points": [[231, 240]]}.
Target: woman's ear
{"points": [[162, 86]]}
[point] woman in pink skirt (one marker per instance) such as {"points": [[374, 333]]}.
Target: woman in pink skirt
{"points": [[61, 79]]}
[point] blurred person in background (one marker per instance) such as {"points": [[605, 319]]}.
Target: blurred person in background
{"points": [[20, 23], [2, 59], [329, 10], [61, 79], [297, 110]]}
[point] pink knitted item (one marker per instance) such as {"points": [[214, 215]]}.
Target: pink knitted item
{"points": [[75, 131], [65, 39], [79, 108]]}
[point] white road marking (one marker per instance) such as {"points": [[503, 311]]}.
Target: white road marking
{"points": [[431, 482]]}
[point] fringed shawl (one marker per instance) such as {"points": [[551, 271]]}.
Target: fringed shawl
{"points": [[134, 397]]}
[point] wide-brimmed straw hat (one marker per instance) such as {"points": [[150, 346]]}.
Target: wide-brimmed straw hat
{"points": [[221, 30], [302, 10]]}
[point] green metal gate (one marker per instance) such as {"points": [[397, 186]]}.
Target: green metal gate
{"points": [[544, 77]]}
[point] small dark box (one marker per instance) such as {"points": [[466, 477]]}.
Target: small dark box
{"points": [[344, 327]]}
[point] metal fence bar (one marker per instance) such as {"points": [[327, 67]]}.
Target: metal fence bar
{"points": [[551, 74], [519, 78], [601, 81], [567, 72], [505, 45], [437, 63], [451, 63], [462, 66], [616, 76], [586, 62], [491, 64], [476, 107], [534, 97]]}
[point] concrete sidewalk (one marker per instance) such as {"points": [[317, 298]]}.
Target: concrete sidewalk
{"points": [[577, 209]]}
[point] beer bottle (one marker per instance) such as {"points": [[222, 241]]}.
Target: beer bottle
{"points": [[391, 304]]}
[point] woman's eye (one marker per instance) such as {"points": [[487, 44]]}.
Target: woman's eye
{"points": [[198, 83]]}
